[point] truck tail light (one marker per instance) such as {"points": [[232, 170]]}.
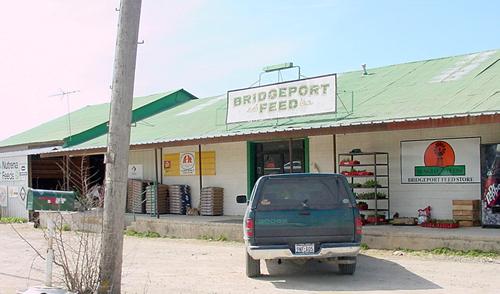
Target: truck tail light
{"points": [[249, 227], [359, 226]]}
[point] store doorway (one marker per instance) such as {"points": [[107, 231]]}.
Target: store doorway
{"points": [[277, 157]]}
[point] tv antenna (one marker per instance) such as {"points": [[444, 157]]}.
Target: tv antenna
{"points": [[66, 94]]}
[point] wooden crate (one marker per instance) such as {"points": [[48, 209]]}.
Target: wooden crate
{"points": [[467, 212], [404, 221], [468, 223], [466, 204], [466, 217]]}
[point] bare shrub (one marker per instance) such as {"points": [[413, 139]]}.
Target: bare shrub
{"points": [[77, 253], [76, 240], [78, 177]]}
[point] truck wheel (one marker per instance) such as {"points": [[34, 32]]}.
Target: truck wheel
{"points": [[253, 266], [347, 269]]}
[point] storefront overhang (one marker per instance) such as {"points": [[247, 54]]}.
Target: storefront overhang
{"points": [[32, 146], [301, 132]]}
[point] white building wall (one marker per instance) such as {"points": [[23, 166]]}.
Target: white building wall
{"points": [[321, 154], [406, 198], [147, 159], [231, 174], [231, 167]]}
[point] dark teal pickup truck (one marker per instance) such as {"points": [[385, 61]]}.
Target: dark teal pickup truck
{"points": [[301, 216]]}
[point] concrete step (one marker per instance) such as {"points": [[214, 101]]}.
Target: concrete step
{"points": [[189, 230], [419, 238], [377, 237]]}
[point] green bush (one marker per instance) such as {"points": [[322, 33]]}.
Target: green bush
{"points": [[13, 220], [148, 234], [465, 253], [220, 238]]}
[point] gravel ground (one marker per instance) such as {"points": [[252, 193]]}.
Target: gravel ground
{"points": [[196, 266]]}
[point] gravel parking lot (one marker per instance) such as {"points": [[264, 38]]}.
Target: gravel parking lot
{"points": [[196, 266]]}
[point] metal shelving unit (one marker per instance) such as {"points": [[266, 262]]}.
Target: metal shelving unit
{"points": [[378, 164]]}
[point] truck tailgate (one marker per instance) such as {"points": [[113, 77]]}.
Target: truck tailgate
{"points": [[304, 225]]}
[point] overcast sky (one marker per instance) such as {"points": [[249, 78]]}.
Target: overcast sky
{"points": [[209, 47]]}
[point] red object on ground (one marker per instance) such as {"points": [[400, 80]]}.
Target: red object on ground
{"points": [[440, 226], [371, 219]]}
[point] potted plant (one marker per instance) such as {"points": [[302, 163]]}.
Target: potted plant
{"points": [[362, 205], [355, 185], [371, 184], [348, 162]]}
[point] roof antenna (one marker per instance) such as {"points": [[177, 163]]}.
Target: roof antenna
{"points": [[364, 69], [65, 94]]}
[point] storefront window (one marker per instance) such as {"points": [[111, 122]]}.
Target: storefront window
{"points": [[274, 158]]}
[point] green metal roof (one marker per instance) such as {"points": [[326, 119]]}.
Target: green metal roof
{"points": [[452, 86], [91, 121]]}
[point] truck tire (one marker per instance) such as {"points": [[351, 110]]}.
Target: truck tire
{"points": [[253, 266], [347, 269]]}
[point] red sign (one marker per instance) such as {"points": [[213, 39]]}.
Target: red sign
{"points": [[439, 153]]}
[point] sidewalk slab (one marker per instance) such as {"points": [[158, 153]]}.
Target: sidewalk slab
{"points": [[419, 238]]}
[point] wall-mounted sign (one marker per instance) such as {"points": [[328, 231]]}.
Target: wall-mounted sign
{"points": [[186, 163], [22, 193], [136, 171], [171, 165], [443, 161], [13, 170], [14, 175], [303, 97]]}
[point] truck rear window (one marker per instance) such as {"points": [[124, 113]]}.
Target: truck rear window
{"points": [[302, 192]]}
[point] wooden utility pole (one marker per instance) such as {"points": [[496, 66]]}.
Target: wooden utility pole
{"points": [[118, 146]]}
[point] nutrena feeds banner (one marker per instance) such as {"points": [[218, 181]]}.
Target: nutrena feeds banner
{"points": [[13, 185], [441, 161], [296, 98]]}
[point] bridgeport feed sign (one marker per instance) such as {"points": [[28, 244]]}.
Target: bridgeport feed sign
{"points": [[302, 97]]}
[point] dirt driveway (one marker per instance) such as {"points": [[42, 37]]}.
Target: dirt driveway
{"points": [[196, 266]]}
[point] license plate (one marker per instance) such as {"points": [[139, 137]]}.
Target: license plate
{"points": [[304, 249]]}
